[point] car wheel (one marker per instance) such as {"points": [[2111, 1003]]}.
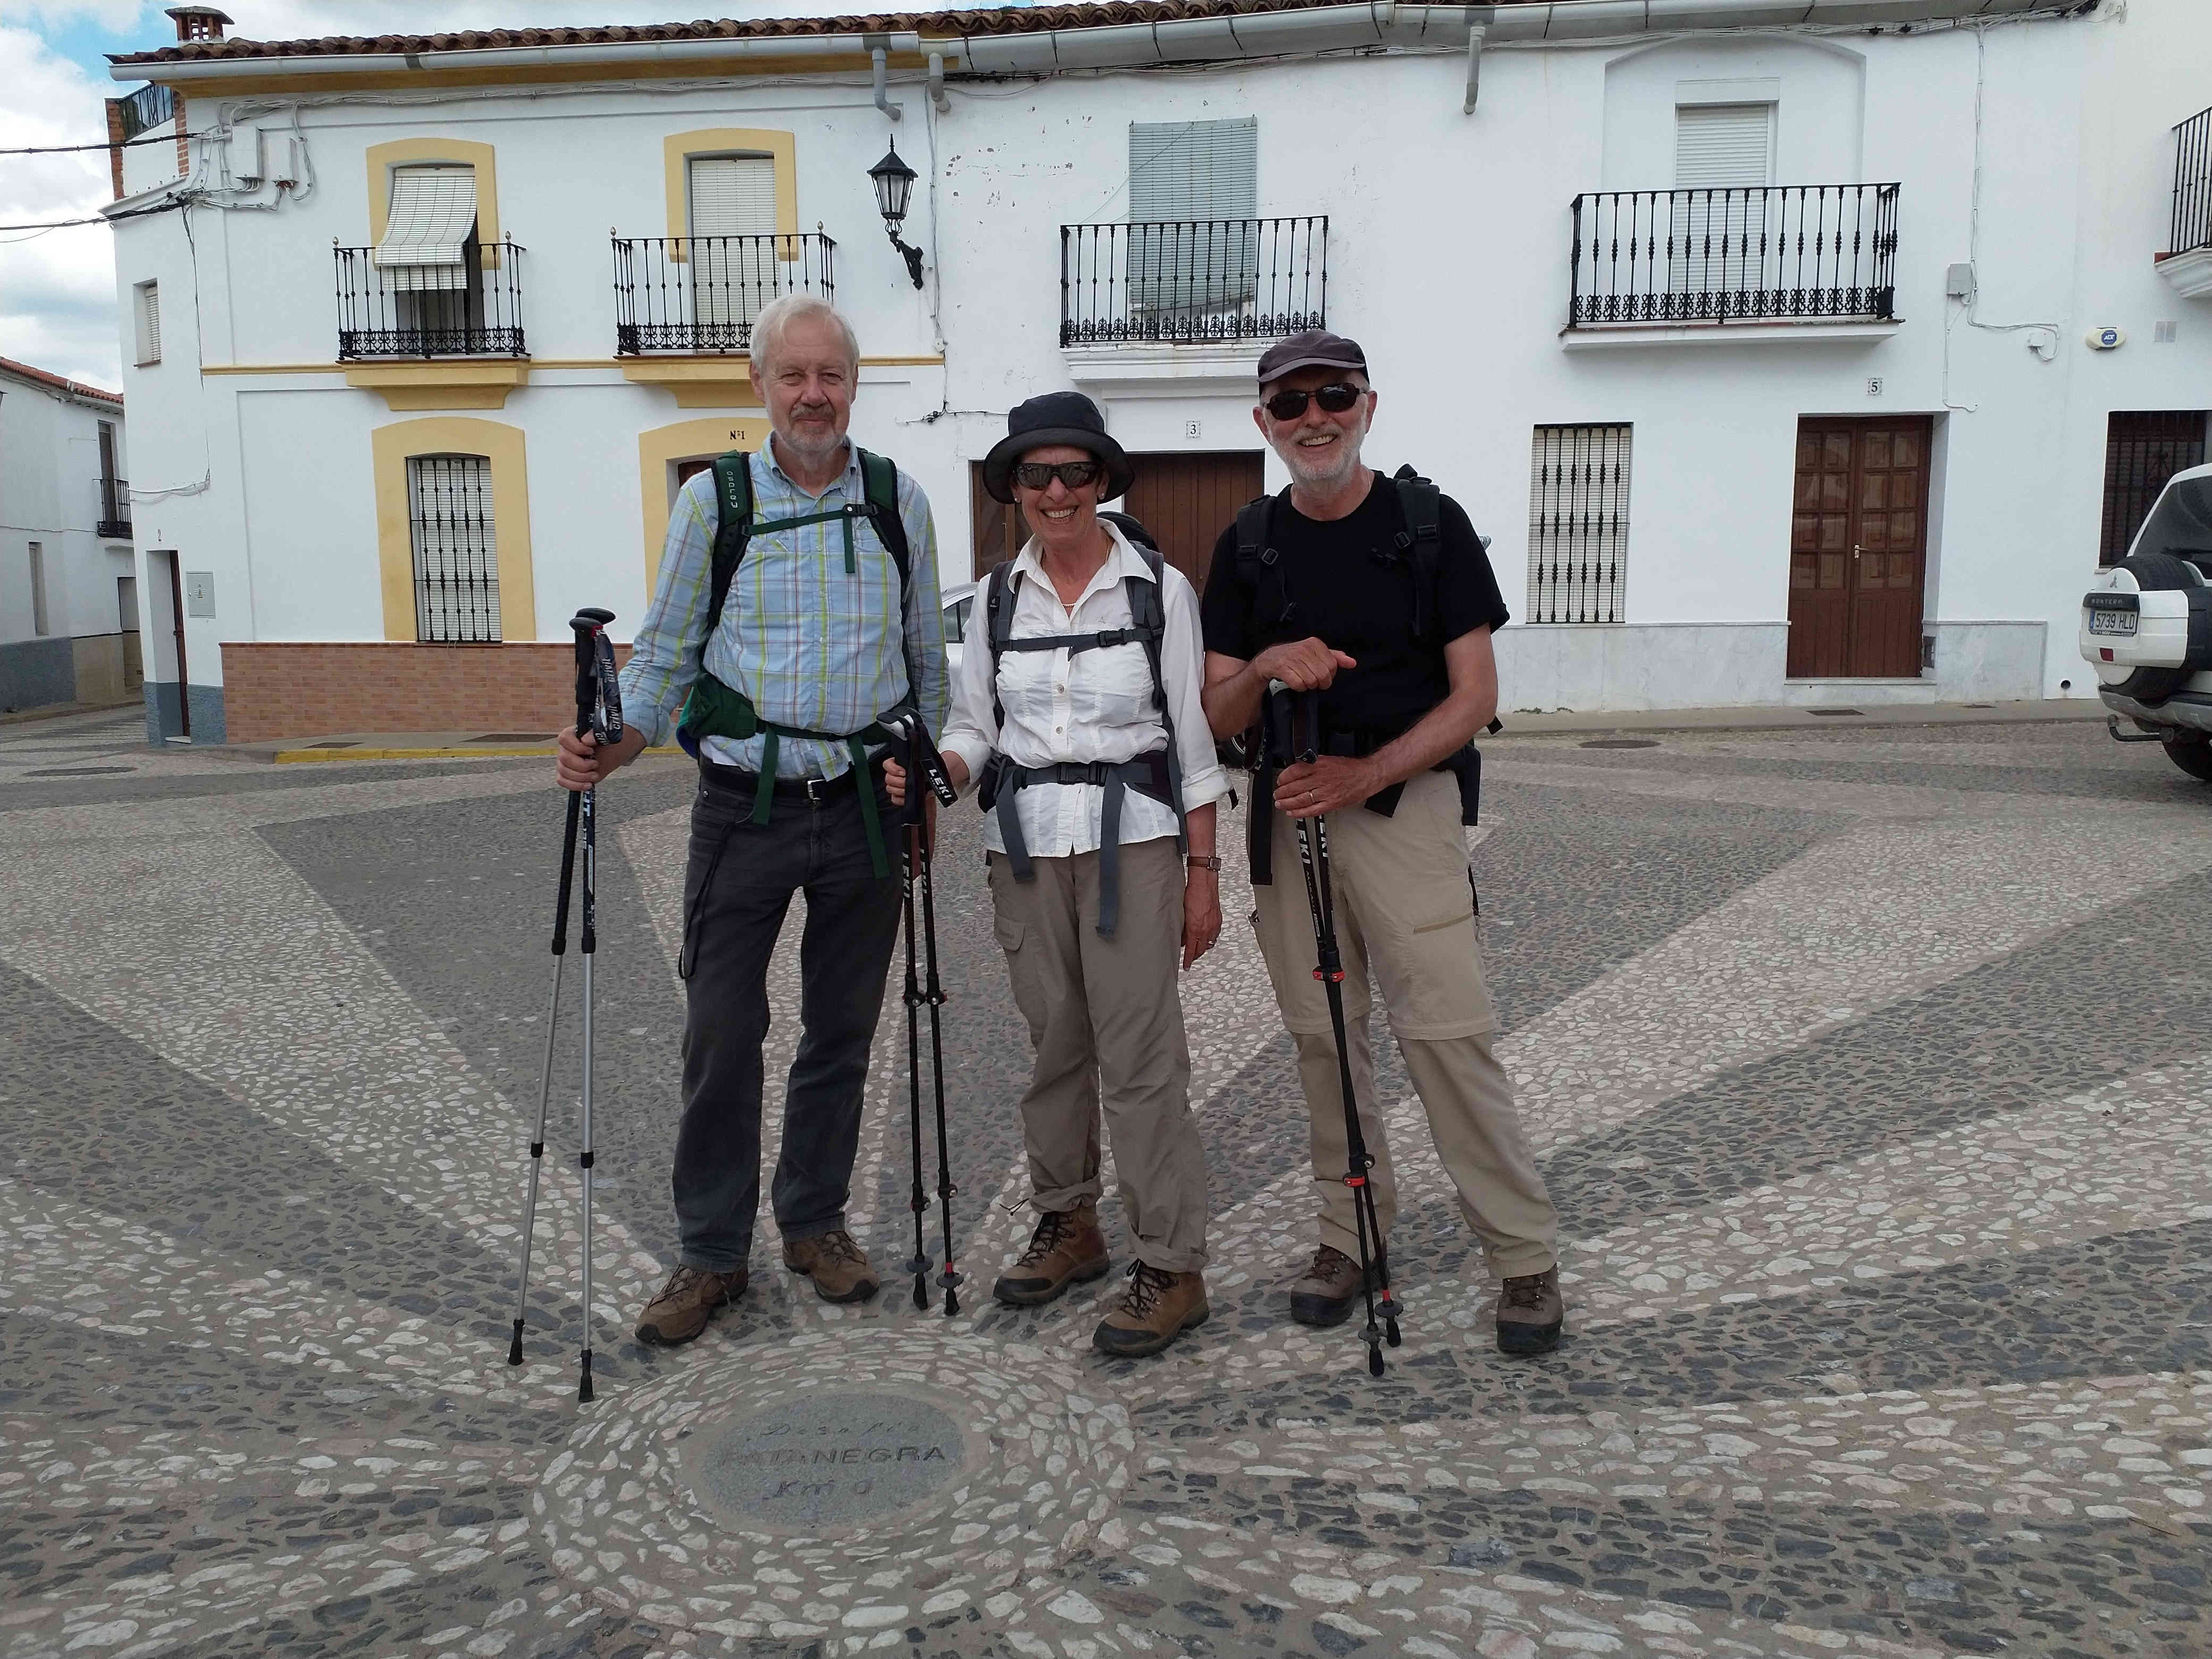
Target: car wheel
{"points": [[2193, 754], [2157, 572]]}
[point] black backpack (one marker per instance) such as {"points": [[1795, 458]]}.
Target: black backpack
{"points": [[1420, 504]]}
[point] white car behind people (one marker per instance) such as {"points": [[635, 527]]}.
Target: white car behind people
{"points": [[2147, 627]]}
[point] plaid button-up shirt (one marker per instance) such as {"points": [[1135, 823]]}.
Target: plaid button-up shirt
{"points": [[811, 644]]}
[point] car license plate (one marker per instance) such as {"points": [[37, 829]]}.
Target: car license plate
{"points": [[2112, 622]]}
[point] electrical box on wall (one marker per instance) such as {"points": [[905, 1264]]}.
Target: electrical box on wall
{"points": [[200, 592], [1959, 283]]}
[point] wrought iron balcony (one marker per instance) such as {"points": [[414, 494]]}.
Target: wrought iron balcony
{"points": [[1192, 282], [115, 507], [1775, 253], [398, 311], [701, 294], [2192, 184]]}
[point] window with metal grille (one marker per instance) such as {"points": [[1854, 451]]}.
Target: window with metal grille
{"points": [[2141, 451], [456, 551], [1578, 524]]}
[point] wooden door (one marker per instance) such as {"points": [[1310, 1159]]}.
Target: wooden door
{"points": [[1859, 547], [998, 526], [175, 562], [1187, 500]]}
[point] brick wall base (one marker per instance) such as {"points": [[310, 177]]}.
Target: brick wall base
{"points": [[277, 689]]}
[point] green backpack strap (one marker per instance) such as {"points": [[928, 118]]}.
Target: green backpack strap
{"points": [[879, 486], [733, 504]]}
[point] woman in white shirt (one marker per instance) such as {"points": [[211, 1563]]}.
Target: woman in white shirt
{"points": [[1100, 824]]}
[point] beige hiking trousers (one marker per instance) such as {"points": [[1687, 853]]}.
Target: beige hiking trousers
{"points": [[1404, 909], [1105, 1017]]}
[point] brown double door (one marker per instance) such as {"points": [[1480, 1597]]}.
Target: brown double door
{"points": [[1859, 547], [1185, 499]]}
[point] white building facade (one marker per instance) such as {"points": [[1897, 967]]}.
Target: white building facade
{"points": [[69, 601], [1788, 350]]}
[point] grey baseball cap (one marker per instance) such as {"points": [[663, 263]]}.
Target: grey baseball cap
{"points": [[1314, 348]]}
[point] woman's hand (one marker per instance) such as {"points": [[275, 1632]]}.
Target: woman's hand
{"points": [[1202, 913]]}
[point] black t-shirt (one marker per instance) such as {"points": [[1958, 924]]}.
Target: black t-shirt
{"points": [[1347, 583]]}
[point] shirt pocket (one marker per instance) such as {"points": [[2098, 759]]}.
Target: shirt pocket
{"points": [[1111, 688]]}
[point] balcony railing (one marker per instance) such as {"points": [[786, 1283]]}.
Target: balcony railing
{"points": [[115, 507], [701, 294], [1192, 282], [1781, 252], [393, 311], [2192, 184]]}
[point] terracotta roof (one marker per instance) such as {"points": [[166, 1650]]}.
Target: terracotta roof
{"points": [[1010, 20], [74, 388]]}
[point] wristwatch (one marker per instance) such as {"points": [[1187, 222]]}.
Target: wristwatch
{"points": [[1203, 861]]}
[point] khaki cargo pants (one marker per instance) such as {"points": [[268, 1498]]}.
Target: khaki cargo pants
{"points": [[1404, 908], [1105, 1017]]}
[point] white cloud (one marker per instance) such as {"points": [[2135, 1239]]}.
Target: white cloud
{"points": [[56, 288]]}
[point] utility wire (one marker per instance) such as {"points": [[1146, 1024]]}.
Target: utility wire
{"points": [[100, 219], [122, 143]]}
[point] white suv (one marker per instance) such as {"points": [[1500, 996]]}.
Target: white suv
{"points": [[2147, 627]]}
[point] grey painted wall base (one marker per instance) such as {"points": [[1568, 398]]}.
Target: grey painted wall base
{"points": [[165, 712], [35, 672]]}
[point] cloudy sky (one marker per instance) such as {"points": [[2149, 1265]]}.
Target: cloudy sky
{"points": [[58, 288]]}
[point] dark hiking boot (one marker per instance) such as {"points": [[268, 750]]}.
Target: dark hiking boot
{"points": [[1530, 1312], [838, 1266], [1324, 1296], [1158, 1307], [1067, 1248], [686, 1303]]}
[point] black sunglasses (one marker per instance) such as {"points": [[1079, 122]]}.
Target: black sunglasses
{"points": [[1039, 475], [1335, 397]]}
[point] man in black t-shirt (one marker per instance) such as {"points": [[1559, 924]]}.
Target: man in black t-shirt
{"points": [[1398, 648]]}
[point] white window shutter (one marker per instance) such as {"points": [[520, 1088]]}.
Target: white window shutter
{"points": [[732, 195], [150, 323], [1723, 146], [432, 216], [1193, 169]]}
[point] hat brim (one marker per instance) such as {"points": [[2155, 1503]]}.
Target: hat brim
{"points": [[999, 464]]}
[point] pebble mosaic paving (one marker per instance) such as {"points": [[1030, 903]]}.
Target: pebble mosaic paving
{"points": [[1872, 1072]]}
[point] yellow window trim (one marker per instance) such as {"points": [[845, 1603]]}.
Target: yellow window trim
{"points": [[657, 450], [457, 152], [679, 148], [390, 448]]}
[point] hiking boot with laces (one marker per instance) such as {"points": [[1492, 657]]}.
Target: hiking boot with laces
{"points": [[1067, 1248], [1324, 1296], [838, 1266], [686, 1303], [1158, 1307], [1530, 1312]]}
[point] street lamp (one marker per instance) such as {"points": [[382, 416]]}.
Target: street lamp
{"points": [[894, 182]]}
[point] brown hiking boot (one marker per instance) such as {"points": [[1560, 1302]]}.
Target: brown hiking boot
{"points": [[1067, 1248], [686, 1303], [1324, 1296], [1530, 1312], [1158, 1307], [838, 1266]]}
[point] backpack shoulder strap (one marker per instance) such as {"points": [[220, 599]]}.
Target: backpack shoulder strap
{"points": [[879, 484], [734, 509], [1421, 505], [1253, 519], [998, 628], [1148, 615]]}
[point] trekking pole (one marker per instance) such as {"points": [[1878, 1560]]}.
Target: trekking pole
{"points": [[598, 710], [924, 764], [545, 1072], [1313, 857]]}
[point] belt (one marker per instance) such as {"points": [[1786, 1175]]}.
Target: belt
{"points": [[1147, 774], [815, 792]]}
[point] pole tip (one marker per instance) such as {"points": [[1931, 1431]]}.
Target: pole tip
{"points": [[1390, 1329], [920, 1291], [1375, 1362], [584, 1381], [514, 1347], [951, 1302]]}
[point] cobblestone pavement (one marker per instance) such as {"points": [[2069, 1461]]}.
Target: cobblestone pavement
{"points": [[1869, 1070]]}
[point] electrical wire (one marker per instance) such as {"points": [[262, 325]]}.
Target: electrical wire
{"points": [[124, 143], [101, 218]]}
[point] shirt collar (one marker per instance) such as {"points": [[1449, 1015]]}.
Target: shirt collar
{"points": [[776, 468], [1123, 561]]}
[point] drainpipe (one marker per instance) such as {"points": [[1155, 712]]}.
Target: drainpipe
{"points": [[880, 60], [937, 82], [1474, 37]]}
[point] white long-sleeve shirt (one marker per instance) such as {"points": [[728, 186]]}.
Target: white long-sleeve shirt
{"points": [[1094, 705]]}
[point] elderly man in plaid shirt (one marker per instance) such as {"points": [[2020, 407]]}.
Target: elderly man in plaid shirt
{"points": [[819, 633]]}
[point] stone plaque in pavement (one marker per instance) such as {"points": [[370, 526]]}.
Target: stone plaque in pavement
{"points": [[829, 1460]]}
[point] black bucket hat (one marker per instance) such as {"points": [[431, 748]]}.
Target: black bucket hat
{"points": [[1055, 417]]}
